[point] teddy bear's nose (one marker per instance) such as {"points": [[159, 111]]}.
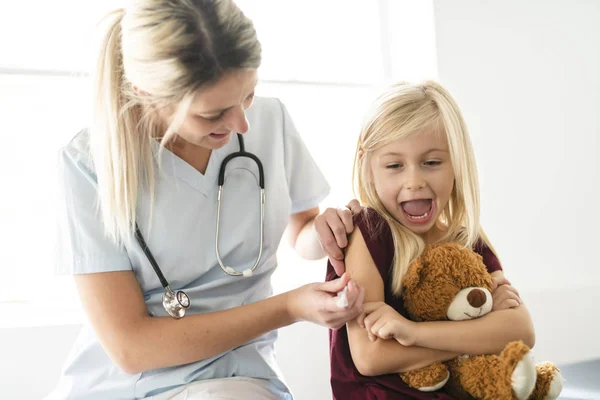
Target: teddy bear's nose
{"points": [[476, 298]]}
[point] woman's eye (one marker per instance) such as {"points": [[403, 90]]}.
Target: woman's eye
{"points": [[249, 100], [213, 119]]}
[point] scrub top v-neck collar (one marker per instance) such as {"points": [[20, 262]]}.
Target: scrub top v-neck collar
{"points": [[180, 169]]}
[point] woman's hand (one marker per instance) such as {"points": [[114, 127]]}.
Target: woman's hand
{"points": [[381, 320], [317, 302], [504, 296], [332, 228]]}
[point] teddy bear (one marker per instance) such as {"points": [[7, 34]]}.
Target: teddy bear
{"points": [[450, 282]]}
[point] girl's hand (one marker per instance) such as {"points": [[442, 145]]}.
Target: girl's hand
{"points": [[504, 296], [317, 303], [332, 227], [381, 320]]}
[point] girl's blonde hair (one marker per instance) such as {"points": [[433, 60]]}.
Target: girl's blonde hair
{"points": [[403, 110], [166, 50]]}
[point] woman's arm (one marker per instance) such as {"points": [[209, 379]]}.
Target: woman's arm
{"points": [[378, 357], [302, 236], [137, 342], [315, 235]]}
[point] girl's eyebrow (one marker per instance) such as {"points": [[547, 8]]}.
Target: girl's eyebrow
{"points": [[398, 154]]}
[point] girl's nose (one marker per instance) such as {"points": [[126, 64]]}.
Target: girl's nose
{"points": [[415, 180]]}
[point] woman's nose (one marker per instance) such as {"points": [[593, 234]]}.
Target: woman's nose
{"points": [[237, 121]]}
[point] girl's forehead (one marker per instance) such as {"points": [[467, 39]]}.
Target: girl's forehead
{"points": [[420, 142]]}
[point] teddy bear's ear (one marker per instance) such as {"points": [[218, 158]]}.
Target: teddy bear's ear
{"points": [[413, 274]]}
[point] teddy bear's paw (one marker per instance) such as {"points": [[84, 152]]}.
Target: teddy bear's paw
{"points": [[556, 386], [524, 377], [550, 382], [427, 379], [435, 387]]}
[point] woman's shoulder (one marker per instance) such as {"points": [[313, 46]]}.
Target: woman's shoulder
{"points": [[266, 107], [76, 156]]}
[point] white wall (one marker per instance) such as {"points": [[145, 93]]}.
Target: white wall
{"points": [[524, 73], [526, 76]]}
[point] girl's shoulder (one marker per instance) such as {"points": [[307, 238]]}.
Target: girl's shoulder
{"points": [[378, 238]]}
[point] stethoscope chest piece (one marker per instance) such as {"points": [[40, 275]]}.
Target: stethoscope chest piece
{"points": [[175, 303]]}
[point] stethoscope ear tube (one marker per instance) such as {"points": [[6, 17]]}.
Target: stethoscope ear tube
{"points": [[148, 253], [174, 303], [242, 153]]}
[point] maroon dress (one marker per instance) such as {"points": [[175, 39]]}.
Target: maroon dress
{"points": [[346, 382]]}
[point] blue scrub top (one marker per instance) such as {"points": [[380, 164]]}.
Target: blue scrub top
{"points": [[181, 236]]}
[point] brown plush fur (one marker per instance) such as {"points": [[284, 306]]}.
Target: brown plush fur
{"points": [[428, 376], [429, 287], [488, 377], [545, 375], [433, 280]]}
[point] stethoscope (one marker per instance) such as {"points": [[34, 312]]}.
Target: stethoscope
{"points": [[176, 303]]}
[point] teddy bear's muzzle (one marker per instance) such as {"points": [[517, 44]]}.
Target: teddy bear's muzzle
{"points": [[469, 303]]}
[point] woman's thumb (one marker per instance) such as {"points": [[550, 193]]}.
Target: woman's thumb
{"points": [[336, 285]]}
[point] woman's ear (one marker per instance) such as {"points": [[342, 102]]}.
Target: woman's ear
{"points": [[139, 92]]}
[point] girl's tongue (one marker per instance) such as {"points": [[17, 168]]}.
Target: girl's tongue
{"points": [[417, 207]]}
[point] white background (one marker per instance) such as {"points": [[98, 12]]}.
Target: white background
{"points": [[524, 73]]}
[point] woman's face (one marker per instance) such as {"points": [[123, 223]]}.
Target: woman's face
{"points": [[218, 110]]}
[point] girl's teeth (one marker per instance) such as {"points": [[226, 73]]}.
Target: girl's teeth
{"points": [[418, 216]]}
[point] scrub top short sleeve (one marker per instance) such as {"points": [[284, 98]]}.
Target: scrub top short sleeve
{"points": [[82, 246], [308, 186]]}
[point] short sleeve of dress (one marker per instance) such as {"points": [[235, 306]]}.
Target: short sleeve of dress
{"points": [[308, 186], [82, 246], [490, 260], [378, 238]]}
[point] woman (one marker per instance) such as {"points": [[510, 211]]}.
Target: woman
{"points": [[174, 85]]}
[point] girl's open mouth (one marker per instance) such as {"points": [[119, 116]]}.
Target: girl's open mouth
{"points": [[418, 211]]}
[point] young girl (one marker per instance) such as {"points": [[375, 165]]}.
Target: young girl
{"points": [[415, 172]]}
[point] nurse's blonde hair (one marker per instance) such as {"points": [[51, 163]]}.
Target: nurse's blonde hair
{"points": [[166, 50], [402, 110]]}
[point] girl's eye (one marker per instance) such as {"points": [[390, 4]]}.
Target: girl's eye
{"points": [[393, 166], [432, 163]]}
